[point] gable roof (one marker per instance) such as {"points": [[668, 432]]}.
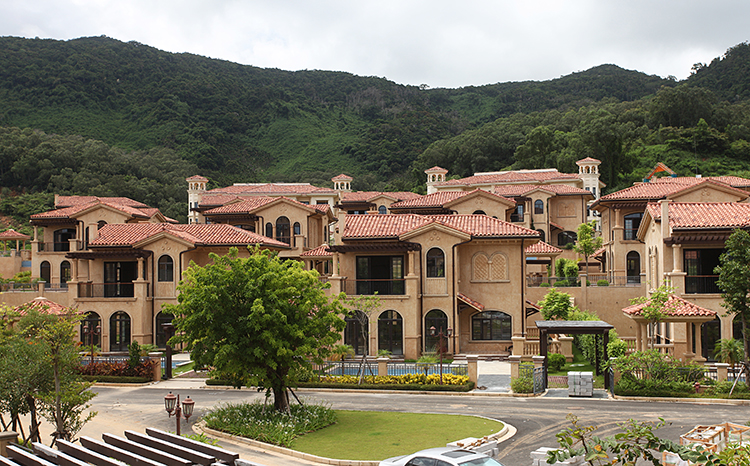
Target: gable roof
{"points": [[703, 215], [45, 306], [270, 189], [214, 234], [69, 201], [197, 178], [249, 205], [368, 196], [320, 251], [542, 248], [78, 209], [394, 225], [674, 307], [662, 188], [515, 190], [11, 234]]}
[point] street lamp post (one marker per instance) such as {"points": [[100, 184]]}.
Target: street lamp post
{"points": [[90, 331], [172, 403], [441, 350]]}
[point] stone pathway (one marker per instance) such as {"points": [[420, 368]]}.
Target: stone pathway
{"points": [[494, 376]]}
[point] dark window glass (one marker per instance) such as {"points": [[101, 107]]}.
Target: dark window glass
{"points": [[282, 230], [491, 325], [390, 332], [119, 331], [166, 269], [538, 206], [435, 263], [566, 237], [435, 318], [632, 222]]}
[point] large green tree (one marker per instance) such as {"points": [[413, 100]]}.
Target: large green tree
{"points": [[256, 318], [734, 282], [587, 243]]}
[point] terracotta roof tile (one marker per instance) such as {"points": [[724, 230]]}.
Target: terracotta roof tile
{"points": [[703, 215], [439, 199], [342, 177], [663, 187], [512, 190], [436, 169], [272, 189], [197, 178], [515, 176], [320, 251], [589, 160], [12, 234], [249, 205], [473, 303], [392, 226], [44, 305], [69, 201], [72, 211], [674, 307], [124, 235], [367, 196], [542, 248]]}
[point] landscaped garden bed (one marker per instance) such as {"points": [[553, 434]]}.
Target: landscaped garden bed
{"points": [[414, 382]]}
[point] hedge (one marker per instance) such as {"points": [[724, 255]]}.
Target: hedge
{"points": [[115, 379], [370, 386]]}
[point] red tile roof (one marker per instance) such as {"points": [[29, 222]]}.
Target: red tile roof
{"points": [[589, 160], [69, 201], [320, 251], [440, 199], [512, 190], [12, 234], [342, 177], [703, 215], [271, 189], [475, 304], [664, 187], [249, 205], [72, 211], [515, 176], [436, 169], [44, 306], [124, 235], [542, 248], [392, 226], [197, 178], [674, 307], [367, 196]]}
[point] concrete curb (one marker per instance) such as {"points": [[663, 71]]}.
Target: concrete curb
{"points": [[700, 401], [505, 433]]}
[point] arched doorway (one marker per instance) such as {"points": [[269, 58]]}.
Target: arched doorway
{"points": [[710, 334], [357, 332], [91, 321], [161, 336], [435, 318], [45, 273], [64, 274], [119, 331], [633, 266], [283, 232], [391, 332]]}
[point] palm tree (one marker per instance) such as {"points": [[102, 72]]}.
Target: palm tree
{"points": [[729, 351]]}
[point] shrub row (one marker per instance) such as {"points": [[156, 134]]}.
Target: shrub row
{"points": [[119, 369], [420, 379], [115, 379]]}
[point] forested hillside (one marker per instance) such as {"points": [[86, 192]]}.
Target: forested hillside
{"points": [[114, 118]]}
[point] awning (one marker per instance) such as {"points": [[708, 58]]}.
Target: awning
{"points": [[466, 300]]}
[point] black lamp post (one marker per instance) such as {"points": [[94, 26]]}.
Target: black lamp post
{"points": [[172, 403], [90, 331], [441, 349]]}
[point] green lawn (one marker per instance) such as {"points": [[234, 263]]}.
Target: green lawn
{"points": [[369, 435]]}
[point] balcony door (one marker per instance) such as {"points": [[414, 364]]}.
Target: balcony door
{"points": [[699, 266], [381, 274], [118, 279]]}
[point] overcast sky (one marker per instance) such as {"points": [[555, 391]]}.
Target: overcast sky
{"points": [[440, 43]]}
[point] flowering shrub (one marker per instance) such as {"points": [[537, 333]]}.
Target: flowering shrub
{"points": [[119, 369], [417, 379]]}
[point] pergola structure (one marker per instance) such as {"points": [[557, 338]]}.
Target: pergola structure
{"points": [[574, 327]]}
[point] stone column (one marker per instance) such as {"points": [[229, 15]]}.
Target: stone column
{"points": [[515, 364], [383, 366], [722, 371], [518, 343], [566, 346], [472, 360], [6, 438], [538, 360]]}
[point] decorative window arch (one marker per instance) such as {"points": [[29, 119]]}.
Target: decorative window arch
{"points": [[282, 230], [438, 319], [166, 268], [161, 335], [479, 212], [119, 331], [391, 332], [297, 228], [633, 267], [45, 272], [64, 273], [269, 230], [382, 210], [435, 263], [538, 207], [492, 268], [491, 325]]}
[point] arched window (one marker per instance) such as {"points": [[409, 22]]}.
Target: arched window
{"points": [[435, 318], [479, 212], [541, 235], [86, 239], [269, 230], [64, 273], [391, 332], [491, 325], [297, 228], [435, 263], [566, 237], [382, 210], [357, 332], [539, 206], [119, 331], [161, 335], [45, 272], [166, 269], [633, 267], [282, 230], [93, 335]]}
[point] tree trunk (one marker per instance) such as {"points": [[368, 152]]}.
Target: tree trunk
{"points": [[34, 427], [280, 398]]}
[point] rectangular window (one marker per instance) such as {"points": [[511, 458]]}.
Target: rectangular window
{"points": [[381, 274]]}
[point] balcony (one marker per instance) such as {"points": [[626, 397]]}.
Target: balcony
{"points": [[63, 246], [372, 286], [106, 290], [702, 284]]}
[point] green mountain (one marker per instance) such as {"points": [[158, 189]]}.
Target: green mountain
{"points": [[115, 118]]}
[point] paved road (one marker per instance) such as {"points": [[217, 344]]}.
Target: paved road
{"points": [[537, 419]]}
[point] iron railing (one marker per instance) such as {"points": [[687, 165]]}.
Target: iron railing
{"points": [[62, 246], [701, 284], [338, 368], [371, 286], [106, 290]]}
